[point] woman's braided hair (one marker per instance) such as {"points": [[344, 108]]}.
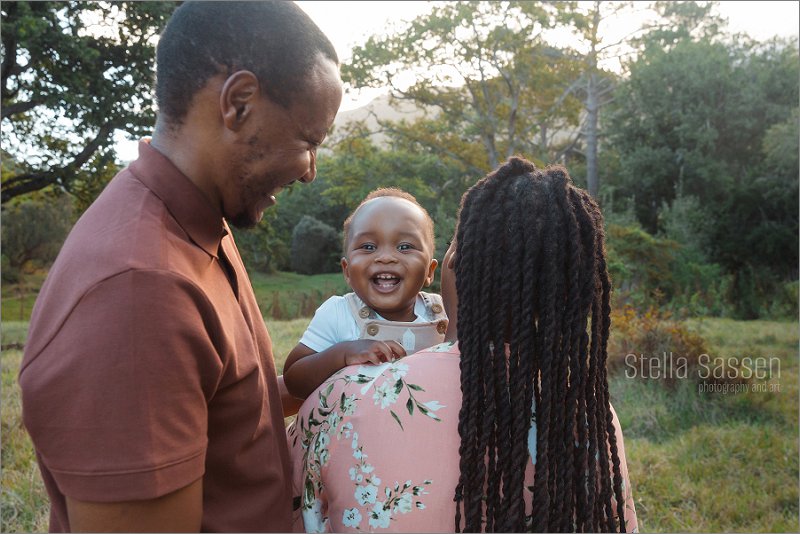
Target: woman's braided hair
{"points": [[531, 273]]}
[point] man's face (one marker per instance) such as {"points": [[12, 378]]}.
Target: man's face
{"points": [[279, 146], [389, 257]]}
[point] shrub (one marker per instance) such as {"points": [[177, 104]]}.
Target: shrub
{"points": [[640, 265], [316, 247], [33, 232], [260, 247], [654, 345]]}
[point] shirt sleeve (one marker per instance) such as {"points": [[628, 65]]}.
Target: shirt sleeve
{"points": [[331, 324], [116, 403]]}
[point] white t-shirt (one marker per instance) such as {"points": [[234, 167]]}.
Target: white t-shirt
{"points": [[333, 323]]}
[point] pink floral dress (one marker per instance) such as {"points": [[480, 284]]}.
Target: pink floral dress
{"points": [[375, 447]]}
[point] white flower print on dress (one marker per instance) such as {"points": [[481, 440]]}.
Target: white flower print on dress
{"points": [[314, 431], [366, 494], [385, 395], [379, 517], [404, 504], [351, 517], [399, 370], [313, 519]]}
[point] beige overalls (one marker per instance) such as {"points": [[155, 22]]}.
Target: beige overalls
{"points": [[412, 336]]}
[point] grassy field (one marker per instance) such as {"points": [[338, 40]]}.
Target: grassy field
{"points": [[18, 299], [699, 462], [280, 295], [283, 296]]}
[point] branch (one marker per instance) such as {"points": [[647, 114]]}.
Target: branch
{"points": [[20, 107], [387, 127], [33, 181]]}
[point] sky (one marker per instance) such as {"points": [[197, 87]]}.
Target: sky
{"points": [[350, 23]]}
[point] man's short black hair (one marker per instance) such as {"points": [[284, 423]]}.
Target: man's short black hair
{"points": [[276, 40]]}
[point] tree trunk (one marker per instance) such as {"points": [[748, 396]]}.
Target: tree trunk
{"points": [[592, 111]]}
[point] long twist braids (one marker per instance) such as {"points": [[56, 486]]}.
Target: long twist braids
{"points": [[534, 319]]}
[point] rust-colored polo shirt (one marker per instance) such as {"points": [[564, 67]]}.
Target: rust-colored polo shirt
{"points": [[148, 367]]}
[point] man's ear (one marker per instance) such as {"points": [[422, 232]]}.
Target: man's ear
{"points": [[431, 272], [237, 97], [345, 271]]}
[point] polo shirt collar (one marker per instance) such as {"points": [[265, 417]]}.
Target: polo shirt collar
{"points": [[194, 213]]}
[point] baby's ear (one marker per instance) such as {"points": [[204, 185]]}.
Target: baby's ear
{"points": [[431, 272]]}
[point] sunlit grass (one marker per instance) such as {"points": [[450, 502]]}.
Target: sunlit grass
{"points": [[24, 506], [712, 462], [285, 335], [698, 462]]}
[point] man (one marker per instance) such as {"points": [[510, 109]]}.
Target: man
{"points": [[148, 382]]}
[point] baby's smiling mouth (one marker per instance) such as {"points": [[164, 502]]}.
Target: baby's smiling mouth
{"points": [[385, 281]]}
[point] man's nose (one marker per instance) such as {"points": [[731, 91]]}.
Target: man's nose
{"points": [[309, 176]]}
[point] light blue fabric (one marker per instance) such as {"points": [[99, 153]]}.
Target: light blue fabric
{"points": [[532, 433]]}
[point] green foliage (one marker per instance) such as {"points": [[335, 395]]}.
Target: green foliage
{"points": [[691, 120], [33, 232], [261, 248], [492, 83], [639, 265], [356, 167], [73, 73], [316, 247], [705, 138]]}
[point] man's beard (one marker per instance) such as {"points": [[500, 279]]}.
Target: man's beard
{"points": [[243, 221]]}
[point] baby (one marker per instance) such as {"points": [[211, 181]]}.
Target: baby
{"points": [[388, 259]]}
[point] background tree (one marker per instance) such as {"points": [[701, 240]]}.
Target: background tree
{"points": [[72, 74], [316, 247], [711, 123], [32, 233], [491, 82]]}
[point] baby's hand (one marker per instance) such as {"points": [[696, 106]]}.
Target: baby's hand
{"points": [[372, 351]]}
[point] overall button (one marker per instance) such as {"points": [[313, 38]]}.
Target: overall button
{"points": [[436, 308], [441, 326], [372, 329], [363, 312]]}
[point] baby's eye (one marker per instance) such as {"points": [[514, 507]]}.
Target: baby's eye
{"points": [[402, 247], [368, 247]]}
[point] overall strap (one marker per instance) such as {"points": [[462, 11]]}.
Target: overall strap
{"points": [[360, 311], [433, 305]]}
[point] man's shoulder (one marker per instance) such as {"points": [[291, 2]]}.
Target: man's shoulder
{"points": [[127, 227], [126, 231]]}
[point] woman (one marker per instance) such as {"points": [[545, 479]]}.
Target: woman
{"points": [[527, 439]]}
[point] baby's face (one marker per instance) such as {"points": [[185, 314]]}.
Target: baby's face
{"points": [[389, 259]]}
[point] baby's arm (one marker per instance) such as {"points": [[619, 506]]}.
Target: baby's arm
{"points": [[305, 369]]}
